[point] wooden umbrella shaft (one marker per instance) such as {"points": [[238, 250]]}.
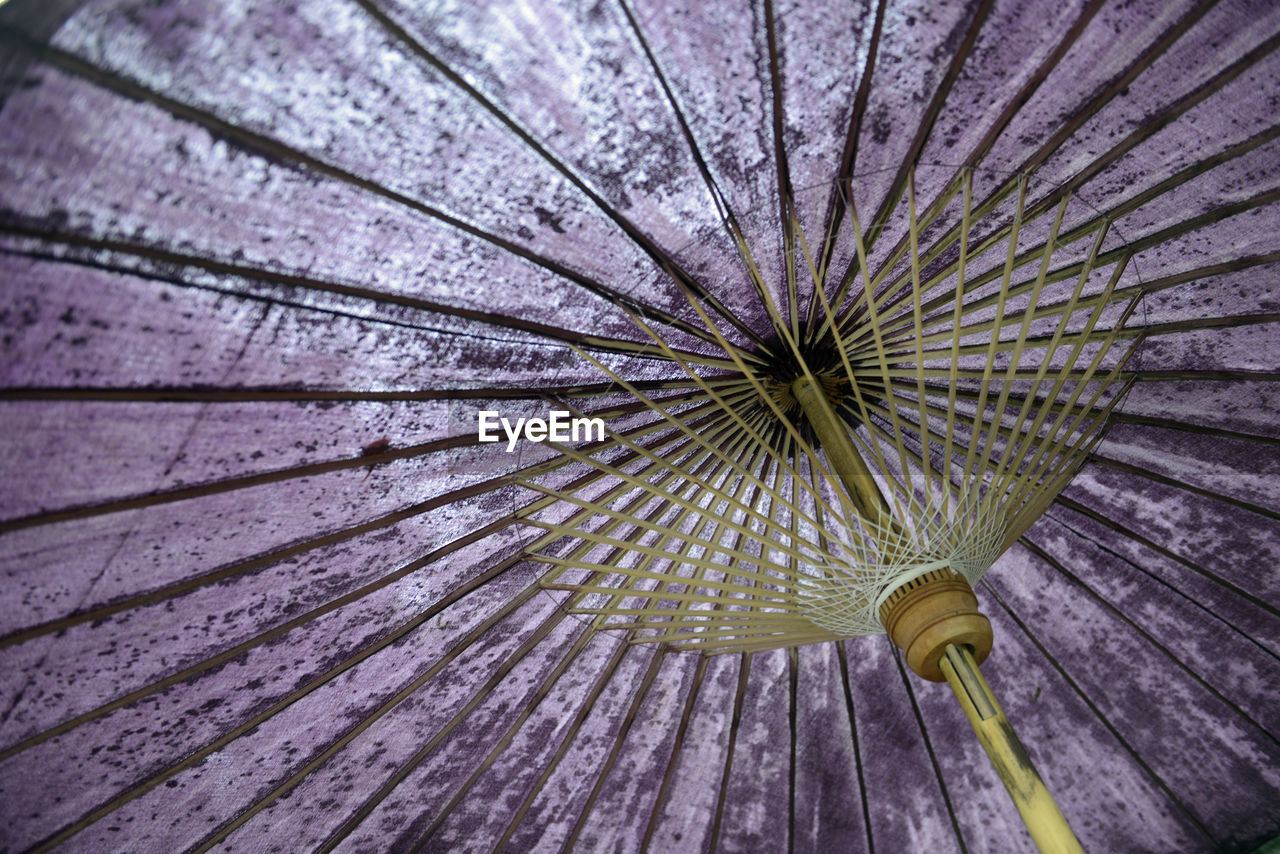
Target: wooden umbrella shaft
{"points": [[1049, 829], [844, 458]]}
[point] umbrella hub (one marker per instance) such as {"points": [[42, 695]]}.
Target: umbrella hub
{"points": [[781, 365]]}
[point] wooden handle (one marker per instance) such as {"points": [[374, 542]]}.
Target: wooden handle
{"points": [[1049, 829]]}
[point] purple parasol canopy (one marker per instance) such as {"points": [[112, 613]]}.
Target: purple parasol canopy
{"points": [[263, 265]]}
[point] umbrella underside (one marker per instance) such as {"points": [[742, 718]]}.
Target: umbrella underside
{"points": [[262, 266]]}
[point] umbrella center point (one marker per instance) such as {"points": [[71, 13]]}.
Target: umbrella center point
{"points": [[781, 366]]}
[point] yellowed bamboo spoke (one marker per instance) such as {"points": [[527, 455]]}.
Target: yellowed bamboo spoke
{"points": [[970, 396], [752, 488], [750, 635], [1063, 311], [999, 234], [1072, 358], [987, 371], [764, 643], [1025, 439], [661, 385], [873, 283], [664, 580], [551, 465], [1081, 379], [1095, 414], [1016, 355], [750, 615], [917, 316], [900, 325], [1066, 271], [957, 311], [1015, 347], [668, 534], [601, 620], [575, 560], [909, 373], [891, 291], [1041, 479], [896, 288], [1039, 501], [1041, 312], [656, 458], [653, 521], [705, 635], [1076, 422], [975, 304], [584, 545], [1079, 232], [898, 315], [793, 565], [793, 345], [683, 502], [702, 636], [873, 323], [672, 531], [1034, 312], [779, 599], [1053, 456], [1006, 431], [697, 574], [1095, 429], [1021, 260], [582, 516], [678, 423]]}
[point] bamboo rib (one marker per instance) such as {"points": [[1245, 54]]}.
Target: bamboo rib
{"points": [[680, 534], [957, 312], [1059, 381], [684, 428], [1022, 336], [895, 255], [687, 615], [636, 481], [974, 283], [917, 316], [619, 554]]}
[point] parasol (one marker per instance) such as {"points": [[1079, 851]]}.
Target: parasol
{"points": [[266, 589]]}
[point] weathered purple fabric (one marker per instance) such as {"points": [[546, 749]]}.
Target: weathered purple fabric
{"points": [[261, 264]]}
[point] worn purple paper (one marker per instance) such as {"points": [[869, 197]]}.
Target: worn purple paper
{"points": [[262, 589]]}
